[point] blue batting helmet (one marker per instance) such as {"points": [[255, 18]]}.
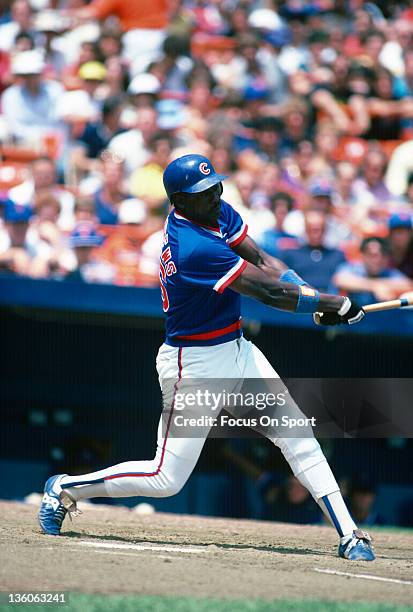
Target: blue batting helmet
{"points": [[190, 174]]}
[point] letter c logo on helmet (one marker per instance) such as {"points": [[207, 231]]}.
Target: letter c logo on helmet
{"points": [[203, 167], [190, 174]]}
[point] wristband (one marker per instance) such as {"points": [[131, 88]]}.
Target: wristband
{"points": [[308, 299], [290, 276]]}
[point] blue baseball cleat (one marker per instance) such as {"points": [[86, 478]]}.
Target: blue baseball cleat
{"points": [[55, 505], [356, 547]]}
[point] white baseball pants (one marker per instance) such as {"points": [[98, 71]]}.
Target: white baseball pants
{"points": [[175, 457]]}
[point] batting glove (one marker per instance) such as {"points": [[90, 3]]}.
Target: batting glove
{"points": [[349, 312]]}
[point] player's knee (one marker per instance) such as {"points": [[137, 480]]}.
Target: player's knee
{"points": [[172, 488], [301, 453]]}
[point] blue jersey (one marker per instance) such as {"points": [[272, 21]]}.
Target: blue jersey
{"points": [[197, 265]]}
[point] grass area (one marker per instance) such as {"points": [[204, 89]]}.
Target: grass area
{"points": [[133, 603]]}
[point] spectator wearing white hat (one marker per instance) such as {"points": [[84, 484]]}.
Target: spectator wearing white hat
{"points": [[144, 90], [29, 105], [50, 24]]}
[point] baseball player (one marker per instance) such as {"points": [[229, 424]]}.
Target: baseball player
{"points": [[207, 261]]}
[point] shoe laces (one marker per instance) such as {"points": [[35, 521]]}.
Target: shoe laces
{"points": [[362, 535], [68, 505]]}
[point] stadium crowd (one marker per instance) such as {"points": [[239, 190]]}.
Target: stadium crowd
{"points": [[306, 106]]}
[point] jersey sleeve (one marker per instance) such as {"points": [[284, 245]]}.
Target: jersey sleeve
{"points": [[235, 226], [211, 264]]}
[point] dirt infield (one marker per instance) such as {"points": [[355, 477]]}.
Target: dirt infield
{"points": [[114, 550]]}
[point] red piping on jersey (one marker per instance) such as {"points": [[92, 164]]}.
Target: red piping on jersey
{"points": [[216, 333], [158, 469], [233, 277], [239, 239]]}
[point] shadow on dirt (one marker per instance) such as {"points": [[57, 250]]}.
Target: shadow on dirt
{"points": [[274, 549]]}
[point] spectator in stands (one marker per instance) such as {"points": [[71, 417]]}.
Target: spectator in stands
{"points": [[345, 176], [146, 182], [244, 183], [295, 116], [369, 188], [268, 130], [133, 145], [399, 39], [85, 210], [241, 193], [267, 186], [96, 136], [113, 190], [21, 21], [314, 261], [359, 26], [321, 195], [276, 239], [373, 42], [49, 25], [143, 23], [92, 75], [175, 64], [116, 80], [401, 243], [15, 254], [385, 108], [46, 240], [84, 240], [110, 43], [30, 105], [144, 90], [43, 178], [23, 42], [372, 279], [81, 51]]}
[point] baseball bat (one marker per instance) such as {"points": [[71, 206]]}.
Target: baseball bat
{"points": [[400, 303]]}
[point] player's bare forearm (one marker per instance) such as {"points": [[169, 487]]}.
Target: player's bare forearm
{"points": [[252, 253], [268, 289]]}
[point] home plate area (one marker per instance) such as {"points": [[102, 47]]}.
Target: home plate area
{"points": [[181, 562]]}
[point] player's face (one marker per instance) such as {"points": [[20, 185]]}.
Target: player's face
{"points": [[204, 207]]}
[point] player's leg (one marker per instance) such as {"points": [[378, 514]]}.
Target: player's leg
{"points": [[175, 457], [304, 455], [162, 476]]}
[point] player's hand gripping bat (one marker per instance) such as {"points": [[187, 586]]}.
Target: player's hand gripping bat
{"points": [[332, 319]]}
